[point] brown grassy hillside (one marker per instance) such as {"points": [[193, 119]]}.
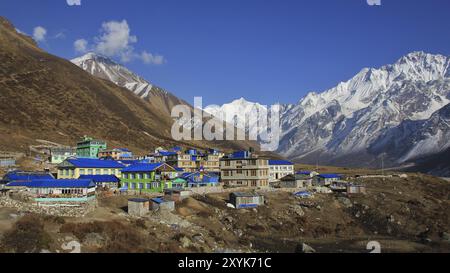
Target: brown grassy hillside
{"points": [[46, 97]]}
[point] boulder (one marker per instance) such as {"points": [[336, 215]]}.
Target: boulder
{"points": [[306, 248], [345, 201]]}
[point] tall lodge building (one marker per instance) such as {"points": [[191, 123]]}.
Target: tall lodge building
{"points": [[244, 169]]}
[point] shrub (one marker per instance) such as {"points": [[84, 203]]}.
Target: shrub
{"points": [[80, 230], [27, 236], [120, 238]]}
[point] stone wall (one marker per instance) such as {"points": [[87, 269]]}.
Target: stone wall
{"points": [[54, 209]]}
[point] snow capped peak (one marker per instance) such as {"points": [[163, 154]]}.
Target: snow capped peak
{"points": [[347, 120], [243, 102], [92, 56], [105, 68]]}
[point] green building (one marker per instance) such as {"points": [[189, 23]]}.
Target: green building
{"points": [[89, 147], [148, 177]]}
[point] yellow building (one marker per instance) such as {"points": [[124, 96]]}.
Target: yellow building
{"points": [[72, 168]]}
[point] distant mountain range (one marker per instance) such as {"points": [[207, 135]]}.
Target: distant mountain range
{"points": [[399, 112]]}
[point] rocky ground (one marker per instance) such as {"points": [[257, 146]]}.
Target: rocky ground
{"points": [[401, 214]]}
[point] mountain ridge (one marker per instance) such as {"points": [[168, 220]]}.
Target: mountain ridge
{"points": [[50, 98], [347, 124], [105, 68]]}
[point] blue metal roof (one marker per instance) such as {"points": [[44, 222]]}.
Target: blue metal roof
{"points": [[329, 175], [195, 178], [128, 161], [158, 200], [54, 183], [163, 153], [191, 152], [26, 176], [100, 178], [279, 162], [94, 163], [179, 169], [241, 154], [302, 193], [304, 172], [142, 167]]}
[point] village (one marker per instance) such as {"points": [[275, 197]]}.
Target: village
{"points": [[165, 175], [193, 191]]}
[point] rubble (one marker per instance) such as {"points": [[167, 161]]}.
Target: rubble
{"points": [[304, 248], [345, 201], [297, 210]]}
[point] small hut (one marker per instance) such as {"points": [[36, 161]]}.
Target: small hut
{"points": [[176, 194], [162, 204], [246, 199], [138, 207], [356, 189]]}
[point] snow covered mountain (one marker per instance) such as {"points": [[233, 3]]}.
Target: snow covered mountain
{"points": [[357, 122], [236, 112], [105, 68]]}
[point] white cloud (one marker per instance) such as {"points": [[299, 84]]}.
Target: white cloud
{"points": [[115, 40], [149, 58], [80, 45], [39, 33], [74, 2]]}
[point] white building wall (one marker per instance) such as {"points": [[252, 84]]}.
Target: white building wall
{"points": [[276, 172]]}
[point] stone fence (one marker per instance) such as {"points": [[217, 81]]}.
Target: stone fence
{"points": [[55, 209]]}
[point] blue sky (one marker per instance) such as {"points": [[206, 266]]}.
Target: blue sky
{"points": [[267, 51]]}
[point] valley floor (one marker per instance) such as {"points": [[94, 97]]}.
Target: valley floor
{"points": [[401, 214]]}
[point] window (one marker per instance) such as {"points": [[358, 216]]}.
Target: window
{"points": [[131, 176], [133, 186], [148, 186], [82, 171], [125, 175], [90, 171], [253, 173], [141, 186], [138, 176]]}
